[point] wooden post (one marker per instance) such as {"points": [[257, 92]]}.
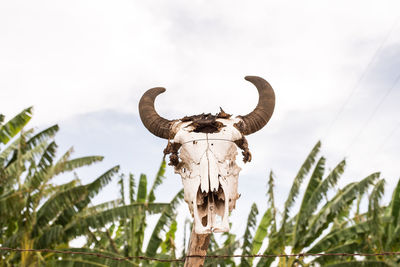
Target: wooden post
{"points": [[198, 245]]}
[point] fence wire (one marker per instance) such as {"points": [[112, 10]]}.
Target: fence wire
{"points": [[99, 255]]}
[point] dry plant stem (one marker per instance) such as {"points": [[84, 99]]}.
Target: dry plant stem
{"points": [[198, 246]]}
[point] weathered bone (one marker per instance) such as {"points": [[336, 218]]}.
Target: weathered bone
{"points": [[203, 150], [209, 173]]}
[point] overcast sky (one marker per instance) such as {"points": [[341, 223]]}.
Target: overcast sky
{"points": [[333, 66]]}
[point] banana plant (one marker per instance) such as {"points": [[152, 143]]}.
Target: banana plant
{"points": [[322, 208], [126, 235], [374, 231], [34, 211]]}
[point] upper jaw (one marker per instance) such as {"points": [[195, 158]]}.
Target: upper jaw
{"points": [[211, 210]]}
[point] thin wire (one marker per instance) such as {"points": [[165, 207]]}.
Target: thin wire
{"points": [[388, 137], [89, 254], [356, 137], [385, 140], [360, 79], [300, 255]]}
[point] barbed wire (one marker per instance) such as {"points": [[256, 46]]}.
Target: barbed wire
{"points": [[99, 255]]}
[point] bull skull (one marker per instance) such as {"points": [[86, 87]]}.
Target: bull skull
{"points": [[203, 151]]}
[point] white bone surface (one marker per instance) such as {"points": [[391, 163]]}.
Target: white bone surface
{"points": [[208, 163]]}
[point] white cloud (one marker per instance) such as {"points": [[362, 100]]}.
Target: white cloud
{"points": [[80, 56]]}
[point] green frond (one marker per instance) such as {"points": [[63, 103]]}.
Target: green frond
{"points": [[304, 170], [262, 231], [15, 125], [56, 204], [395, 204], [157, 181], [132, 187], [16, 168], [341, 201], [122, 187], [50, 189], [60, 164], [271, 199], [5, 154], [20, 149], [42, 171], [76, 260], [47, 157], [71, 262], [364, 263], [247, 238], [322, 189], [73, 164], [103, 180], [392, 230], [227, 249], [142, 189], [13, 240], [100, 219], [347, 247], [273, 248], [393, 241], [155, 239], [10, 203], [51, 235], [44, 135], [165, 220], [374, 212], [187, 224], [302, 217], [177, 200], [373, 206], [102, 206], [213, 245], [168, 245], [341, 236], [90, 191]]}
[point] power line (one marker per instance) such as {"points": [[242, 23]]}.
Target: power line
{"points": [[386, 139], [360, 79], [356, 137], [299, 255]]}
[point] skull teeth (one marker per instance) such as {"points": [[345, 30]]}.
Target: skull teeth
{"points": [[211, 211]]}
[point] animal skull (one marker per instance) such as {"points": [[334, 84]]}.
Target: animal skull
{"points": [[203, 151]]}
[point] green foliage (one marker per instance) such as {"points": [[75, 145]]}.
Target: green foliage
{"points": [[121, 229], [158, 180], [322, 222], [37, 213], [142, 189], [15, 125], [262, 231], [34, 211], [247, 238], [294, 191], [166, 219], [354, 263]]}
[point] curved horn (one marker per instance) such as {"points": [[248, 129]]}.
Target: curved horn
{"points": [[259, 117], [150, 118]]}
